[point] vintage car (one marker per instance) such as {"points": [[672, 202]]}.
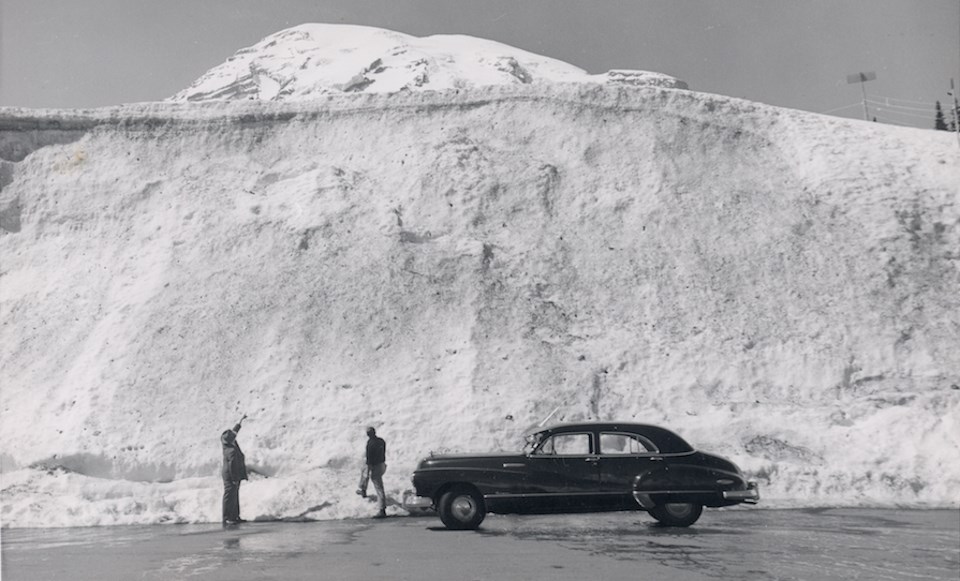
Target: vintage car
{"points": [[584, 467]]}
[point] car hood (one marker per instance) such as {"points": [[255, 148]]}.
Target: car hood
{"points": [[471, 460]]}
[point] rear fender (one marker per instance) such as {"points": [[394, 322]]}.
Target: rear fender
{"points": [[685, 483]]}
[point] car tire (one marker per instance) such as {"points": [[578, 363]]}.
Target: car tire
{"points": [[461, 508], [677, 514]]}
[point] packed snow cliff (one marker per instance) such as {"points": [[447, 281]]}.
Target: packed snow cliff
{"points": [[454, 266]]}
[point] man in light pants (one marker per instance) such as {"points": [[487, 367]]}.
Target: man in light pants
{"points": [[376, 466]]}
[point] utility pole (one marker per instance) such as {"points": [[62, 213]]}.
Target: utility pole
{"points": [[862, 78]]}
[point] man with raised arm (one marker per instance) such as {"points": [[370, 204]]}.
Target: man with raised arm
{"points": [[233, 471]]}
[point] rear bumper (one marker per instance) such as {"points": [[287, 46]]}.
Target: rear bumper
{"points": [[649, 499], [751, 495]]}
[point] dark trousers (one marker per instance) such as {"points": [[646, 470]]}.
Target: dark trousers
{"points": [[231, 500]]}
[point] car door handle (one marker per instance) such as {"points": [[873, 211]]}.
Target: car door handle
{"points": [[658, 458], [513, 464], [593, 460]]}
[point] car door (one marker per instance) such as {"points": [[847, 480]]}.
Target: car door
{"points": [[563, 473], [624, 456]]}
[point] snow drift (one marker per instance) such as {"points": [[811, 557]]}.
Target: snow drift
{"points": [[453, 266]]}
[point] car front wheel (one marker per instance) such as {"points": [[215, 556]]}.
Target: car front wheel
{"points": [[677, 514], [461, 508]]}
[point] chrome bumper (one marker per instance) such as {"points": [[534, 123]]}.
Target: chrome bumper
{"points": [[751, 495], [417, 502]]}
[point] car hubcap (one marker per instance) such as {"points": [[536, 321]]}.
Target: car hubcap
{"points": [[463, 508], [678, 510]]}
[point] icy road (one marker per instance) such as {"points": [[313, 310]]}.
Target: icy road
{"points": [[733, 544]]}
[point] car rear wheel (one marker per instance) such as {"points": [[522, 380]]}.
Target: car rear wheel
{"points": [[677, 514], [462, 508]]}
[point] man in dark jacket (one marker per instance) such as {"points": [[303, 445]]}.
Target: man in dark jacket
{"points": [[376, 466], [233, 471]]}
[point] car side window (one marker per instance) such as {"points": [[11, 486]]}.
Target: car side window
{"points": [[620, 444], [566, 445]]}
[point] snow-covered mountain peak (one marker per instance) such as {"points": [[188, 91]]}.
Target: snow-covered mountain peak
{"points": [[311, 60]]}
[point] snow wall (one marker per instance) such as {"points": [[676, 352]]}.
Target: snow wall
{"points": [[776, 286]]}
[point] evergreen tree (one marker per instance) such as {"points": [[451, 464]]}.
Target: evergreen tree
{"points": [[938, 122]]}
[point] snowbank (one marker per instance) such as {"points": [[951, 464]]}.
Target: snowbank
{"points": [[777, 286]]}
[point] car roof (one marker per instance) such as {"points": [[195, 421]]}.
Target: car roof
{"points": [[667, 441]]}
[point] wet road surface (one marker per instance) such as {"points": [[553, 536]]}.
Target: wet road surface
{"points": [[740, 543]]}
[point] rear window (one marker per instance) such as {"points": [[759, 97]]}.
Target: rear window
{"points": [[620, 444]]}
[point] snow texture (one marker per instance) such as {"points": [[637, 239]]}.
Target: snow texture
{"points": [[451, 267]]}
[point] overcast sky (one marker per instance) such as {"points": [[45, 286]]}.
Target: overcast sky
{"points": [[792, 53]]}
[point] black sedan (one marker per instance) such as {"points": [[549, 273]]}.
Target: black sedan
{"points": [[585, 467]]}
